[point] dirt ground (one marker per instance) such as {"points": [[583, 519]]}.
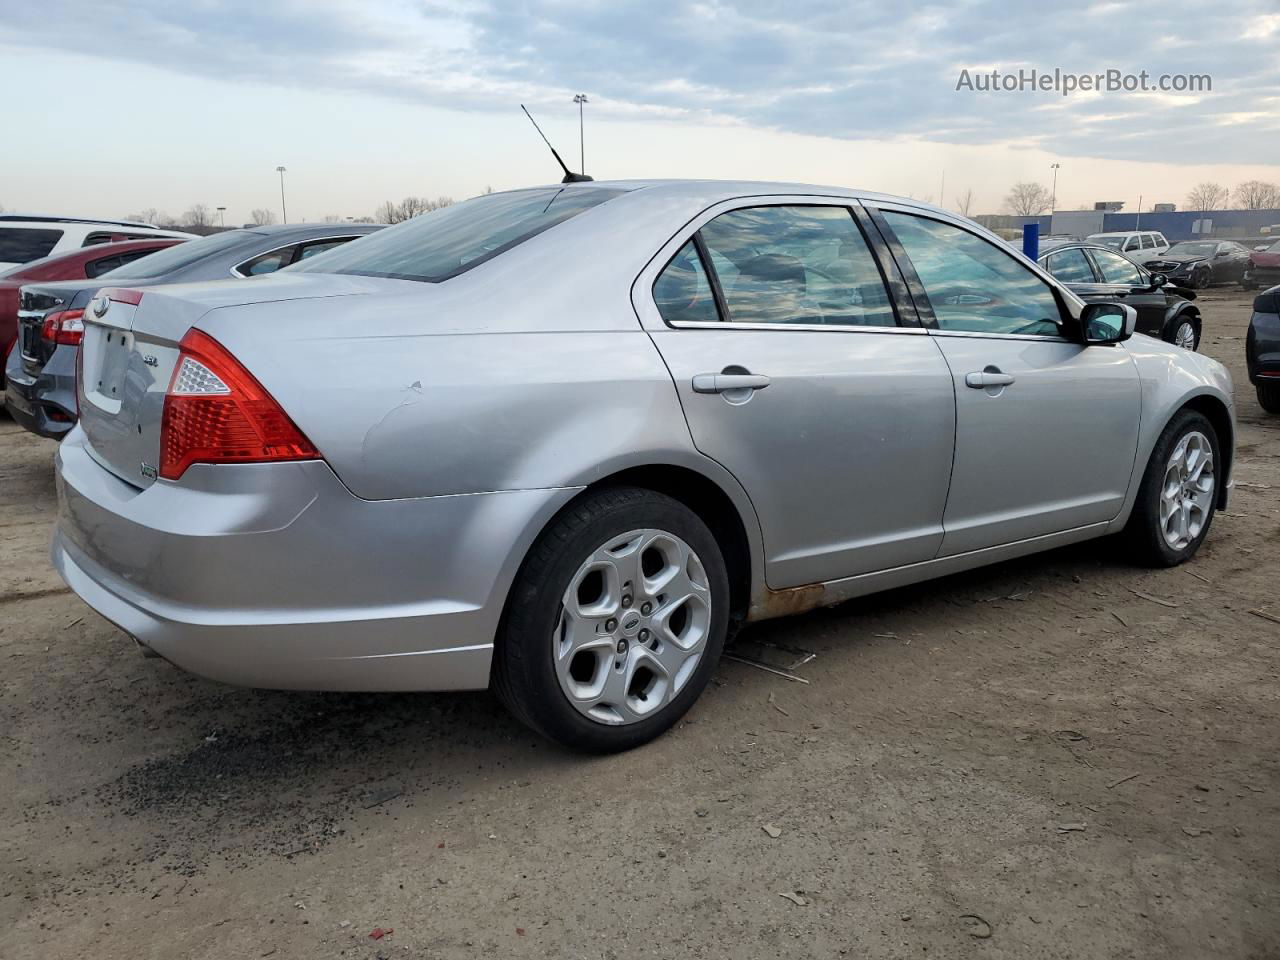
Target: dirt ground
{"points": [[1062, 756]]}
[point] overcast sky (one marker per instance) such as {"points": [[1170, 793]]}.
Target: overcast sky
{"points": [[148, 103]]}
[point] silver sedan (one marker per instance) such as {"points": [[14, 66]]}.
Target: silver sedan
{"points": [[560, 441]]}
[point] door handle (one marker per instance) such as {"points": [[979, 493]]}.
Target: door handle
{"points": [[721, 382], [987, 378]]}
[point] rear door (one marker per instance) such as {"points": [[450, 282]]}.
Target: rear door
{"points": [[1046, 428], [797, 375]]}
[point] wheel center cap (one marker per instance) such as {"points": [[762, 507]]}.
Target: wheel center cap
{"points": [[631, 623]]}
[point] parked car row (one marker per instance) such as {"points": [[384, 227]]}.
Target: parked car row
{"points": [[84, 263], [1097, 274], [558, 441], [40, 370], [24, 238]]}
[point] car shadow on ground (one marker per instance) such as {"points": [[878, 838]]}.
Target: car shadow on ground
{"points": [[292, 771]]}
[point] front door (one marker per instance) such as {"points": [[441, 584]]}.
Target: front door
{"points": [[1046, 428], [1125, 282], [796, 375]]}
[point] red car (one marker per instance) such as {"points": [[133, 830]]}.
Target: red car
{"points": [[85, 263], [1263, 269]]}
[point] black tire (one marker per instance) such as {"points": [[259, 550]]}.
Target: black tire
{"points": [[1146, 541], [1171, 333], [523, 674], [1269, 397], [1201, 278]]}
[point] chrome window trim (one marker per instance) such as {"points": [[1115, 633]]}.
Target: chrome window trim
{"points": [[808, 327], [982, 335], [235, 271]]}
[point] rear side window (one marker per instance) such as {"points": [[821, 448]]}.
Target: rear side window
{"points": [[796, 264], [96, 268], [682, 291], [317, 247], [1070, 266], [266, 263], [20, 244], [446, 242]]}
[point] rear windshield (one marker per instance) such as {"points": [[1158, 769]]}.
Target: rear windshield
{"points": [[175, 258], [21, 244], [446, 242]]}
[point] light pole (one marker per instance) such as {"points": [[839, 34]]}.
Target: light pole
{"points": [[284, 211], [580, 99], [1053, 204], [222, 215]]}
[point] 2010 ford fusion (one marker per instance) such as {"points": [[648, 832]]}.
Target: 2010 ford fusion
{"points": [[559, 440]]}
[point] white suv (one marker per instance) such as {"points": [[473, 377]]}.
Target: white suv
{"points": [[1137, 245], [25, 238]]}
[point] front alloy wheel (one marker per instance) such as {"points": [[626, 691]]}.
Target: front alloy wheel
{"points": [[1185, 335], [1178, 494], [1186, 497]]}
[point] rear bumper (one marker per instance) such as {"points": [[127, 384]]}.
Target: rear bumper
{"points": [[45, 403], [275, 575]]}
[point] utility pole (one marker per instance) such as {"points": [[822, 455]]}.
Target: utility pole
{"points": [[1137, 223], [580, 99], [1053, 204], [942, 190], [284, 211]]}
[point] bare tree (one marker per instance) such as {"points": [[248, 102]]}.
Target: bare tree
{"points": [[388, 212], [1028, 199], [1207, 196], [964, 202], [198, 215], [262, 217], [1257, 195]]}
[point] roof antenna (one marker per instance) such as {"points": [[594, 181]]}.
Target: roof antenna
{"points": [[569, 175]]}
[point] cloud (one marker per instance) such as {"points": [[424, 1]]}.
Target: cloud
{"points": [[856, 70]]}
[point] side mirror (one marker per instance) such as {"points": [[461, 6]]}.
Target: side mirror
{"points": [[1158, 280], [1107, 323]]}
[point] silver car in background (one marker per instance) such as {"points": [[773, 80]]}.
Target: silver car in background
{"points": [[558, 441]]}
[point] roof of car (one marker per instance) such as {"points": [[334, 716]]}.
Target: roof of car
{"points": [[342, 229], [37, 218]]}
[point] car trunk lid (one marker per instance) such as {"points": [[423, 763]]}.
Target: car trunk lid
{"points": [[131, 347]]}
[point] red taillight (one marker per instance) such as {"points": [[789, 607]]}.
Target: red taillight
{"points": [[216, 412], [64, 326]]}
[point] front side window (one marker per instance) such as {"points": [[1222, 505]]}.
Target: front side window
{"points": [[1148, 242], [1070, 266], [1117, 269], [796, 264], [1132, 244], [973, 285], [446, 242], [22, 244], [683, 292]]}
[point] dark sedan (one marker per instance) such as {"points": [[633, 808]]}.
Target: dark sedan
{"points": [[1200, 263], [1262, 349], [1098, 274], [41, 370]]}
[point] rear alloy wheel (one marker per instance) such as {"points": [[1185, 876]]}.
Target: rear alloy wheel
{"points": [[1178, 495], [1184, 334], [1269, 397], [616, 622]]}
